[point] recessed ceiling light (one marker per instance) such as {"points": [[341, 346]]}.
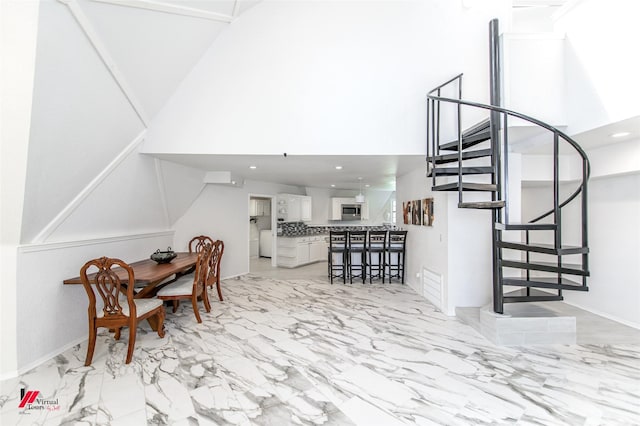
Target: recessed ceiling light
{"points": [[253, 167], [620, 134], [367, 186], [338, 167], [333, 185], [233, 182]]}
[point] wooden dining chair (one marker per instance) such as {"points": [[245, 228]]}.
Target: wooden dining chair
{"points": [[119, 308], [197, 243], [214, 267], [192, 288]]}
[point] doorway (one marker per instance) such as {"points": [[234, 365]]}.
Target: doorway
{"points": [[261, 231]]}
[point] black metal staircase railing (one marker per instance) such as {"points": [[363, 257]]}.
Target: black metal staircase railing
{"points": [[492, 137]]}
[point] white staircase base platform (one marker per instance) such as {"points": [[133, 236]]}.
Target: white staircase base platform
{"points": [[522, 324]]}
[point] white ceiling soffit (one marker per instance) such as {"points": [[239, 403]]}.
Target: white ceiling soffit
{"points": [[153, 44], [532, 140], [377, 171]]}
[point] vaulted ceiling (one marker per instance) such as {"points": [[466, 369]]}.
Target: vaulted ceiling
{"points": [[103, 69]]}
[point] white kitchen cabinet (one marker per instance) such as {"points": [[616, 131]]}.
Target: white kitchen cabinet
{"points": [[305, 209], [336, 206], [294, 208], [259, 207], [318, 250], [297, 251], [266, 207], [303, 253]]}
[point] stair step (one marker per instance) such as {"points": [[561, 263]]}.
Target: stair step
{"points": [[525, 226], [482, 205], [466, 186], [453, 171], [546, 266], [517, 299], [478, 127], [466, 155], [565, 284], [543, 248], [467, 141]]}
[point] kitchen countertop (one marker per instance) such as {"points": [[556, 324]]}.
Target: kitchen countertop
{"points": [[308, 234], [324, 230]]}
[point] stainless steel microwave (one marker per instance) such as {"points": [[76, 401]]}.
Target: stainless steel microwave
{"points": [[351, 212]]}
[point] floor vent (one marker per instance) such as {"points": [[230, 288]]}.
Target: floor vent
{"points": [[432, 288]]}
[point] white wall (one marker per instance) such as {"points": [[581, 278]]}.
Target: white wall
{"points": [[470, 253], [325, 78], [18, 26], [614, 241], [222, 212], [601, 63], [320, 205], [427, 246], [614, 231], [534, 77], [52, 316]]}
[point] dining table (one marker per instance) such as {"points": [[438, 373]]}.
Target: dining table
{"points": [[151, 276]]}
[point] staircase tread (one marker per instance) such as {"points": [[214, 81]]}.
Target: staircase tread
{"points": [[545, 282], [478, 127], [525, 226], [468, 186], [466, 155], [465, 170], [569, 268], [543, 248], [482, 205], [467, 141]]}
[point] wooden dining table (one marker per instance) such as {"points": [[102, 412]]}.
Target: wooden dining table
{"points": [[150, 276]]}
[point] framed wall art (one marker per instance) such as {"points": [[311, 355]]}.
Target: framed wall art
{"points": [[427, 212]]}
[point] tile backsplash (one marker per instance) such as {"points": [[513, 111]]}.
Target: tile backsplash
{"points": [[300, 228]]}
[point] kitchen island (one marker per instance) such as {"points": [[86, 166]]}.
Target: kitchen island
{"points": [[299, 244], [294, 251]]}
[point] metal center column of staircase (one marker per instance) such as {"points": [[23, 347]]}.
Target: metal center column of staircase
{"points": [[531, 265]]}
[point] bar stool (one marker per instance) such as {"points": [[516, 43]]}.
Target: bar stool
{"points": [[358, 247], [376, 248], [396, 246], [337, 255]]}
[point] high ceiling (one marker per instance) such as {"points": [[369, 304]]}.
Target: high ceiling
{"points": [[376, 171], [149, 47]]}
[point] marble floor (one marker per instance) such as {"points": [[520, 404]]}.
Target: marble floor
{"points": [[290, 349]]}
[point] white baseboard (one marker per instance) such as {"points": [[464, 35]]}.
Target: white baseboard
{"points": [[41, 360]]}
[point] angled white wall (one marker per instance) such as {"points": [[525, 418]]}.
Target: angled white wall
{"points": [[80, 118], [127, 201], [324, 77], [88, 191], [138, 38]]}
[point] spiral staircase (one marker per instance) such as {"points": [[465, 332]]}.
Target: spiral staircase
{"points": [[531, 256]]}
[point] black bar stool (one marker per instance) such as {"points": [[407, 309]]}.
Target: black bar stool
{"points": [[395, 253], [357, 247], [337, 255], [376, 248]]}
